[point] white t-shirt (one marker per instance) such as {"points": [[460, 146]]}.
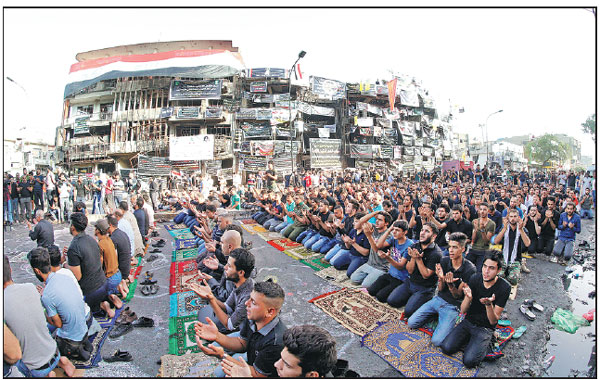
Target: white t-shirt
{"points": [[50, 181]]}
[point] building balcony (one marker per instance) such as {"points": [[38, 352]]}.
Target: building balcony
{"points": [[126, 147], [88, 152]]}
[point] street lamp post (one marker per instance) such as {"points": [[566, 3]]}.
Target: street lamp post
{"points": [[487, 143], [292, 136], [26, 94]]}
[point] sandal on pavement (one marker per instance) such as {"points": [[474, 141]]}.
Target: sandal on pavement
{"points": [[153, 288], [146, 290], [151, 258], [118, 356], [519, 331], [534, 305], [504, 322], [524, 309], [120, 330], [144, 322], [156, 250]]}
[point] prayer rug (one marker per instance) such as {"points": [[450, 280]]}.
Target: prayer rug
{"points": [[282, 244], [300, 253], [259, 228], [182, 336], [411, 352], [182, 274], [198, 365], [182, 234], [336, 277], [185, 243], [248, 221], [355, 310], [131, 291], [184, 254], [315, 263], [170, 227], [269, 235], [248, 227], [97, 341], [185, 303], [135, 271]]}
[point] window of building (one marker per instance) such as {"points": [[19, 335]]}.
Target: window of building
{"points": [[88, 109]]}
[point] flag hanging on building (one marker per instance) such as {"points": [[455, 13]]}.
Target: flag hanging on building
{"points": [[204, 64], [392, 92]]}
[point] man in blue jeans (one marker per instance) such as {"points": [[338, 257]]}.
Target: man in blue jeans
{"points": [[421, 282], [569, 225], [452, 272], [485, 297]]}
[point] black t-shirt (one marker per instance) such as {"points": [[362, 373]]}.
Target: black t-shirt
{"points": [[227, 198], [348, 225], [38, 186], [25, 193], [431, 256], [79, 189], [123, 247], [501, 207], [263, 350], [466, 270], [14, 194], [530, 227], [269, 180], [85, 253], [414, 232], [547, 230], [463, 226], [440, 240], [394, 213], [324, 216], [477, 313]]}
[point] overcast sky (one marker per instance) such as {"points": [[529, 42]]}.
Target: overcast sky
{"points": [[538, 65]]}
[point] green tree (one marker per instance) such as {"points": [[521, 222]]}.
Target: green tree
{"points": [[545, 149], [590, 126]]}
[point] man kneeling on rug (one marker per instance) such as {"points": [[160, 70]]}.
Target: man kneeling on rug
{"points": [[260, 339], [453, 272], [485, 297]]}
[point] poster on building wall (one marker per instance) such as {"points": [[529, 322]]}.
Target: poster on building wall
{"points": [[256, 129], [263, 114], [323, 133], [325, 153], [166, 112], [246, 113], [397, 152], [153, 166], [263, 148], [328, 88], [266, 72], [359, 164], [81, 125], [213, 167], [254, 164], [364, 121], [387, 152], [315, 110], [408, 98], [195, 89], [361, 151], [408, 140], [213, 113], [198, 147], [371, 108], [258, 86], [188, 112], [282, 164], [283, 147]]}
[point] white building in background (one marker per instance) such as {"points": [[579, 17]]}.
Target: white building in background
{"points": [[508, 155], [19, 154]]}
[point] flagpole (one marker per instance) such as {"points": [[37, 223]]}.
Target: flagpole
{"points": [[292, 136]]}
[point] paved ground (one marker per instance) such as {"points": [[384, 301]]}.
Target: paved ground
{"points": [[300, 284]]}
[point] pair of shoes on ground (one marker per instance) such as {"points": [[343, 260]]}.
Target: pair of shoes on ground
{"points": [[527, 307], [127, 321], [118, 356], [161, 243], [152, 257]]}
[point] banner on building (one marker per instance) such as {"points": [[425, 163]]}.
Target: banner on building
{"points": [[256, 129], [361, 151], [253, 164], [198, 147], [282, 164], [246, 113], [259, 87], [213, 113], [188, 112], [197, 63], [266, 72], [315, 110], [364, 121], [328, 88], [153, 166], [323, 133], [397, 152], [81, 125], [263, 148], [409, 98], [283, 147], [325, 153], [195, 89]]}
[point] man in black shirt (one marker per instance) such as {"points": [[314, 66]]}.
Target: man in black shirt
{"points": [[419, 288], [38, 189], [441, 222], [83, 258], [453, 272], [485, 297], [43, 232], [458, 223], [25, 189], [548, 222], [390, 209], [270, 177], [260, 337]]}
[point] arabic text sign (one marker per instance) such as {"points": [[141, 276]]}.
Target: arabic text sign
{"points": [[195, 89], [325, 153], [199, 147]]}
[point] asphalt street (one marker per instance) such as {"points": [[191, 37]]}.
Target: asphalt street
{"points": [[147, 345]]}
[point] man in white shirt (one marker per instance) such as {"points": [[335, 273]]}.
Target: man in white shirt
{"points": [[50, 186]]}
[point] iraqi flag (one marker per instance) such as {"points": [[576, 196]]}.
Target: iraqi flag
{"points": [[205, 64]]}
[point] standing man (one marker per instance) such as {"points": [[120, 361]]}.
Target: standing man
{"points": [[483, 229], [485, 297], [97, 188], [153, 193], [38, 189], [270, 177], [50, 187], [569, 225], [25, 189], [80, 189], [42, 232]]}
